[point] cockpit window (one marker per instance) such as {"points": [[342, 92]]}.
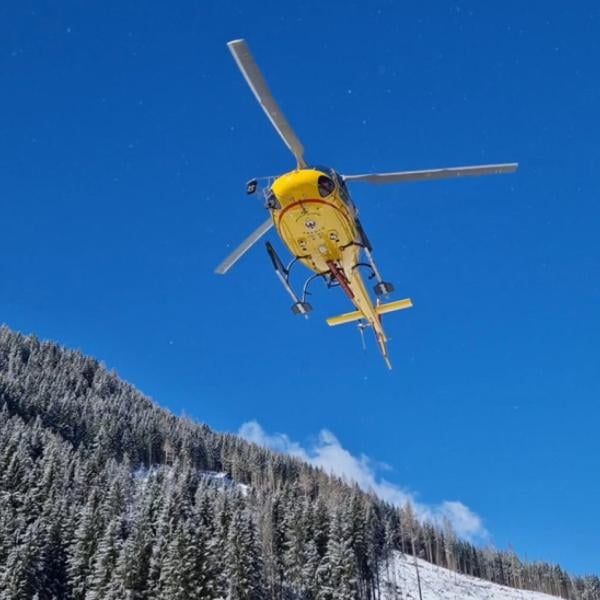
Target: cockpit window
{"points": [[326, 185]]}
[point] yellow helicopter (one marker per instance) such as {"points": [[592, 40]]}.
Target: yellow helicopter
{"points": [[313, 213]]}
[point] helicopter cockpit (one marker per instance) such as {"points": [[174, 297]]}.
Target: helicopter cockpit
{"points": [[329, 181]]}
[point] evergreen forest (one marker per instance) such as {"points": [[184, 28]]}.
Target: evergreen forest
{"points": [[105, 495]]}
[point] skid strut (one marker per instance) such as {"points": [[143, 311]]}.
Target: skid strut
{"points": [[382, 288], [299, 307]]}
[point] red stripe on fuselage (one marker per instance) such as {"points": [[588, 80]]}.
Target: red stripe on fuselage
{"points": [[312, 201], [341, 278]]}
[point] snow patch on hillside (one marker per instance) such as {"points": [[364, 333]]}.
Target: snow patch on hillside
{"points": [[223, 480], [437, 583], [218, 478]]}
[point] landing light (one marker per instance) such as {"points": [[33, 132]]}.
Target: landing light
{"points": [[251, 186]]}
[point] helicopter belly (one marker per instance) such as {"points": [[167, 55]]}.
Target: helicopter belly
{"points": [[316, 231]]}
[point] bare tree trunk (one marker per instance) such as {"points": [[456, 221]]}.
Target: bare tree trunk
{"points": [[416, 566]]}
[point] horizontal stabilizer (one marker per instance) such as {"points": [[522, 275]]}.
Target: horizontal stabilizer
{"points": [[382, 309]]}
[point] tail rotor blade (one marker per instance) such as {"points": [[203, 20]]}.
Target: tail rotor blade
{"points": [[446, 173], [258, 85], [244, 247]]}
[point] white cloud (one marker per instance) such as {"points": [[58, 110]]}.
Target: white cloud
{"points": [[464, 520], [327, 452], [280, 442]]}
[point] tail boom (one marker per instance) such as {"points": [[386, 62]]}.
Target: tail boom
{"points": [[353, 286], [374, 320]]}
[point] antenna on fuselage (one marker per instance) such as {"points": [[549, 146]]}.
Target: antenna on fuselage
{"points": [[362, 325]]}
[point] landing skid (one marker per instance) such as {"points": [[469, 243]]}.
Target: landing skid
{"points": [[300, 306]]}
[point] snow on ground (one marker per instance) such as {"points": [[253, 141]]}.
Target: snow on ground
{"points": [[438, 583], [223, 480], [220, 479]]}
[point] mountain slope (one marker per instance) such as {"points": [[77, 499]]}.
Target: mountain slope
{"points": [[105, 495], [438, 583]]}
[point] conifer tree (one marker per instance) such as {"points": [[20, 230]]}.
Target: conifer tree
{"points": [[82, 549], [309, 569], [293, 554], [243, 564], [21, 578], [105, 561], [341, 560], [132, 572], [176, 574]]}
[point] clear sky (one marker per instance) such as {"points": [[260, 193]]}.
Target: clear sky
{"points": [[127, 135]]}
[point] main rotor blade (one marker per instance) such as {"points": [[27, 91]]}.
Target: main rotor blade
{"points": [[403, 176], [244, 247], [258, 85]]}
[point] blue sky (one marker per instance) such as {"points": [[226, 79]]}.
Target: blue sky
{"points": [[128, 135]]}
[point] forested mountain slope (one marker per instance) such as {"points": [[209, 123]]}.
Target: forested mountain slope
{"points": [[105, 495]]}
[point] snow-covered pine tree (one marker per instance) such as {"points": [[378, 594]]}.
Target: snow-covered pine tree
{"points": [[342, 559], [83, 547], [22, 577], [105, 560], [177, 573], [293, 555], [243, 562]]}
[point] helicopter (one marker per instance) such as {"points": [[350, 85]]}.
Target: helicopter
{"points": [[315, 217]]}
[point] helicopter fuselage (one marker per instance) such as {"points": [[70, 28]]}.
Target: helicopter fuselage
{"points": [[316, 219]]}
